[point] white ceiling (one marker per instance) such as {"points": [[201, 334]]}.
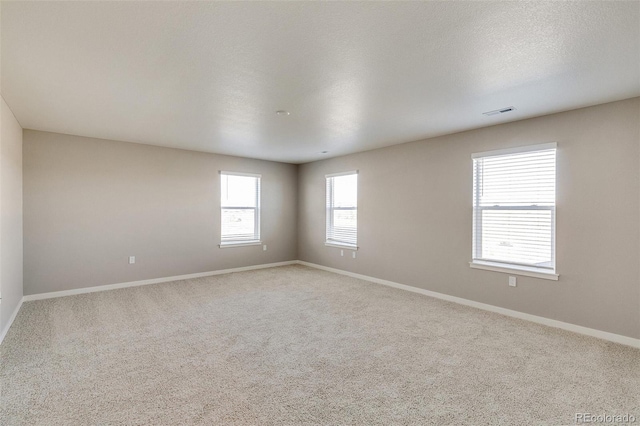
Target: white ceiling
{"points": [[355, 76]]}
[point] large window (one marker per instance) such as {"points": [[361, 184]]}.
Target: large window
{"points": [[240, 208], [342, 209], [514, 209]]}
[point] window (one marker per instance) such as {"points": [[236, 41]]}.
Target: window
{"points": [[240, 209], [514, 210], [342, 209]]}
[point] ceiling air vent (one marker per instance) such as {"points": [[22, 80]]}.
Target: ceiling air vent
{"points": [[499, 111]]}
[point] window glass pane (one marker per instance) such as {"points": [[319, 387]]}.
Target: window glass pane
{"points": [[517, 236], [238, 224], [345, 192], [345, 225], [238, 191], [518, 179]]}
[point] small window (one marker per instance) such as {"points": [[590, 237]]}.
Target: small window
{"points": [[239, 208], [514, 209], [342, 210]]}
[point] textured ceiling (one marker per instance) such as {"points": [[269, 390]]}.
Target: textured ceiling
{"points": [[354, 75]]}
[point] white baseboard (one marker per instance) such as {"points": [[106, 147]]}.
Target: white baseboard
{"points": [[107, 287], [617, 338], [4, 332]]}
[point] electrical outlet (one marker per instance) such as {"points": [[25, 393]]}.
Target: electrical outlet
{"points": [[341, 252], [512, 281], [354, 254], [264, 247], [132, 260]]}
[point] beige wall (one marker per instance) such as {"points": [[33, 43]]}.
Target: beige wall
{"points": [[414, 216], [89, 204], [10, 214]]}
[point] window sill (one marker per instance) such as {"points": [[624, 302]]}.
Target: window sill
{"points": [[545, 274], [240, 244], [342, 246]]}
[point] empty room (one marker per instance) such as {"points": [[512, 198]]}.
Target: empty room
{"points": [[319, 213]]}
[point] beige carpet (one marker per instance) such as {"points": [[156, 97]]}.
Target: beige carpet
{"points": [[294, 345]]}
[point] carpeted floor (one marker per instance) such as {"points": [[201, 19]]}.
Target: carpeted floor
{"points": [[295, 345]]}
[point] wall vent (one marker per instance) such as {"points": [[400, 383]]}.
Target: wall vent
{"points": [[499, 111]]}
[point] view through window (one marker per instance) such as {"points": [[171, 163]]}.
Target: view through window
{"points": [[240, 208], [514, 206], [342, 209]]}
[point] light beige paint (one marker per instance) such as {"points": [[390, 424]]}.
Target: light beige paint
{"points": [[10, 214], [414, 217], [90, 204]]}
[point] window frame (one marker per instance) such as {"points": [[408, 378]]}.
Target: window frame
{"points": [[257, 210], [513, 268], [329, 209]]}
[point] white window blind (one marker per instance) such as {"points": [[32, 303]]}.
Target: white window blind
{"points": [[240, 208], [514, 207], [342, 209]]}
